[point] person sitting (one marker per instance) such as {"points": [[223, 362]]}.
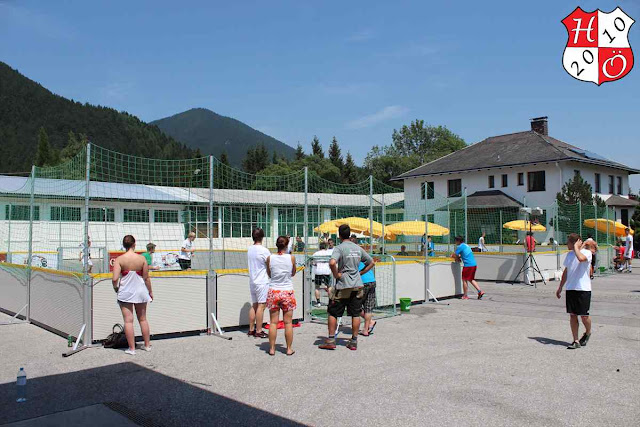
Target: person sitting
{"points": [[299, 244], [403, 251], [431, 246]]}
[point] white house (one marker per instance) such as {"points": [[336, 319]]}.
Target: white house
{"points": [[527, 167]]}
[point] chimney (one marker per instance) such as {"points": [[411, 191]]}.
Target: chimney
{"points": [[540, 125]]}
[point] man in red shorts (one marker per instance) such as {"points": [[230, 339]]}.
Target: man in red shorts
{"points": [[465, 254]]}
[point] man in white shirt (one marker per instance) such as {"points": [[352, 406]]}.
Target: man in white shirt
{"points": [[258, 283], [578, 295], [322, 271], [289, 244], [481, 244], [628, 251], [186, 252]]}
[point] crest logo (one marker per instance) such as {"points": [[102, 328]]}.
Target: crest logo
{"points": [[598, 47]]}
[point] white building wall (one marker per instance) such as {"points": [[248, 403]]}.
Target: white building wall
{"points": [[588, 173]]}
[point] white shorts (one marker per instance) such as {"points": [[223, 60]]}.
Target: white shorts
{"points": [[259, 293]]}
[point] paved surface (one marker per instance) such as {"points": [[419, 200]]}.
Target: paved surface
{"points": [[94, 415], [499, 361]]}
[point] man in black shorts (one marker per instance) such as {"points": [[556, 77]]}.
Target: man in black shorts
{"points": [[348, 291], [578, 295]]}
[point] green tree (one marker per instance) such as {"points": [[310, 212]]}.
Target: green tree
{"points": [[75, 144], [335, 154], [316, 148], [350, 172], [576, 190], [274, 157], [299, 152], [425, 141], [224, 159], [257, 159], [385, 163], [44, 155]]}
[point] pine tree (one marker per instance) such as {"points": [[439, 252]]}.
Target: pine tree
{"points": [[75, 144], [43, 153], [299, 152], [335, 154], [349, 171], [316, 148], [575, 191], [249, 162], [274, 157], [224, 159]]}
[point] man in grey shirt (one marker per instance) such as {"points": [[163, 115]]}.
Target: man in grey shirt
{"points": [[348, 292]]}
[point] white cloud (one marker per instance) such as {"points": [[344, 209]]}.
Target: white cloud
{"points": [[360, 36], [390, 112]]}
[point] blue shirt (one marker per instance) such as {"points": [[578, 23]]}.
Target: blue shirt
{"points": [[464, 251], [367, 277]]}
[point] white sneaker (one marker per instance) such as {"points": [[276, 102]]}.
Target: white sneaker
{"points": [[147, 348], [131, 352]]}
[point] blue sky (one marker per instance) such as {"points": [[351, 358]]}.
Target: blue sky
{"points": [[355, 70]]}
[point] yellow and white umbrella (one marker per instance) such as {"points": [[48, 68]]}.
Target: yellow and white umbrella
{"points": [[327, 227], [522, 225], [606, 226], [363, 226], [417, 228]]}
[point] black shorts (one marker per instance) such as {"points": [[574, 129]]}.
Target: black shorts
{"points": [[322, 281], [184, 263], [578, 302], [353, 304]]}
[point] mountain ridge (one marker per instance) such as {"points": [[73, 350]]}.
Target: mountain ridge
{"points": [[213, 133]]}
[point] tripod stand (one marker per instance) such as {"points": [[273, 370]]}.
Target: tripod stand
{"points": [[530, 262]]}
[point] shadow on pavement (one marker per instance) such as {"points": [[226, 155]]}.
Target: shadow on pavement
{"points": [[549, 341], [152, 398]]}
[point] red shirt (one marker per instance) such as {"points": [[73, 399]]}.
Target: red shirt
{"points": [[531, 243]]}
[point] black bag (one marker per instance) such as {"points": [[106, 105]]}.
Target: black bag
{"points": [[116, 339]]}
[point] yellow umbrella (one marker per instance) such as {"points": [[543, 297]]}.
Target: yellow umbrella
{"points": [[522, 225], [327, 227], [417, 228], [606, 226], [362, 226]]}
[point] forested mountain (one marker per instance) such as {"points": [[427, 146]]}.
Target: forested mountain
{"points": [[212, 133], [26, 107]]}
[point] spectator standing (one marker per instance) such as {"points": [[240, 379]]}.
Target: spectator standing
{"points": [[258, 282], [322, 271], [481, 243], [348, 291], [578, 292], [151, 249], [187, 251], [281, 267]]}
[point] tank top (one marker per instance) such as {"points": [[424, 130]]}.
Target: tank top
{"points": [[280, 266], [132, 288]]}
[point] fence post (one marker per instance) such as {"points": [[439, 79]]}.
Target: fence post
{"points": [[425, 247], [608, 237], [466, 218], [595, 210], [500, 226], [306, 212], [9, 233], [210, 218], [30, 250], [449, 227], [371, 214], [86, 279], [384, 218], [580, 218], [556, 233]]}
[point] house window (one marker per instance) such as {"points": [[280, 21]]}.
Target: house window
{"points": [[194, 218], [492, 181], [136, 215], [430, 218], [619, 179], [427, 189], [597, 182], [520, 178], [536, 181], [160, 215], [21, 212], [454, 187], [610, 184], [102, 214], [505, 180], [65, 213]]}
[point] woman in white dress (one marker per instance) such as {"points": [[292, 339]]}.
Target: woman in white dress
{"points": [[132, 284]]}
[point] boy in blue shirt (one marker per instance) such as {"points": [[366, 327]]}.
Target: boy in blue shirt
{"points": [[465, 254], [368, 300]]}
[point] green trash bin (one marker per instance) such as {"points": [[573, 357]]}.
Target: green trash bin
{"points": [[405, 304], [603, 269]]}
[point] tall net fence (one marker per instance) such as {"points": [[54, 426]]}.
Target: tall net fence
{"points": [[65, 224]]}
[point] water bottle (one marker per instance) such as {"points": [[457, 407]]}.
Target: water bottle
{"points": [[21, 386]]}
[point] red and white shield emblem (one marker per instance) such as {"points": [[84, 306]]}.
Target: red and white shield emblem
{"points": [[598, 48]]}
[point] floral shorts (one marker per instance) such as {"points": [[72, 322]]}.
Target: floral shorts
{"points": [[284, 300]]}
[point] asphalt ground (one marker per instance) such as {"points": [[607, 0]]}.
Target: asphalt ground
{"points": [[499, 361]]}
